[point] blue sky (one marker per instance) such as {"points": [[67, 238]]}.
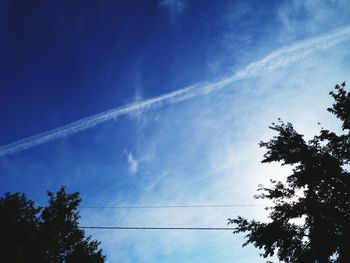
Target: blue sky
{"points": [[191, 87]]}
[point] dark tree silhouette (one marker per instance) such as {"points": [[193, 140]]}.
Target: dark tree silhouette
{"points": [[19, 229], [320, 172], [49, 234]]}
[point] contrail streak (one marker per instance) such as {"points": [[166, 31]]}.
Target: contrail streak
{"points": [[277, 59]]}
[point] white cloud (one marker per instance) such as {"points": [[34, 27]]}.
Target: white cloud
{"points": [[174, 7], [133, 163], [309, 17], [207, 153], [275, 60]]}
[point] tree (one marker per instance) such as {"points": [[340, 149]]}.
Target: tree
{"points": [[320, 173], [19, 229], [49, 234]]}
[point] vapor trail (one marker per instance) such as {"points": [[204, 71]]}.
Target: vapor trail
{"points": [[277, 59]]}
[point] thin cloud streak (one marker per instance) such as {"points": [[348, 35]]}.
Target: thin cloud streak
{"points": [[277, 59]]}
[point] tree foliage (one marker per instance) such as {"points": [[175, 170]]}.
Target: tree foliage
{"points": [[320, 172], [49, 234]]}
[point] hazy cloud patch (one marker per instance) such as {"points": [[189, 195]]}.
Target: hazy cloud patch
{"points": [[175, 7], [132, 163]]}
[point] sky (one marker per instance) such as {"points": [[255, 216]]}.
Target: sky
{"points": [[139, 103]]}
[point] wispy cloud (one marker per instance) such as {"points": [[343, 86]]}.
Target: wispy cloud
{"points": [[217, 160], [300, 18], [133, 163], [277, 59], [174, 7]]}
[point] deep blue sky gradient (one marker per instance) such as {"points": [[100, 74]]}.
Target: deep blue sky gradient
{"points": [[77, 58], [65, 60]]}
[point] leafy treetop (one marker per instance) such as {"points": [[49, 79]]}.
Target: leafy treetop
{"points": [[320, 173], [49, 234]]}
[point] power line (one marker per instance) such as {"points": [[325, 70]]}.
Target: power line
{"points": [[169, 206], [157, 228]]}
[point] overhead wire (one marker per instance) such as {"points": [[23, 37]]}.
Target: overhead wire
{"points": [[169, 206], [161, 207], [157, 228]]}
